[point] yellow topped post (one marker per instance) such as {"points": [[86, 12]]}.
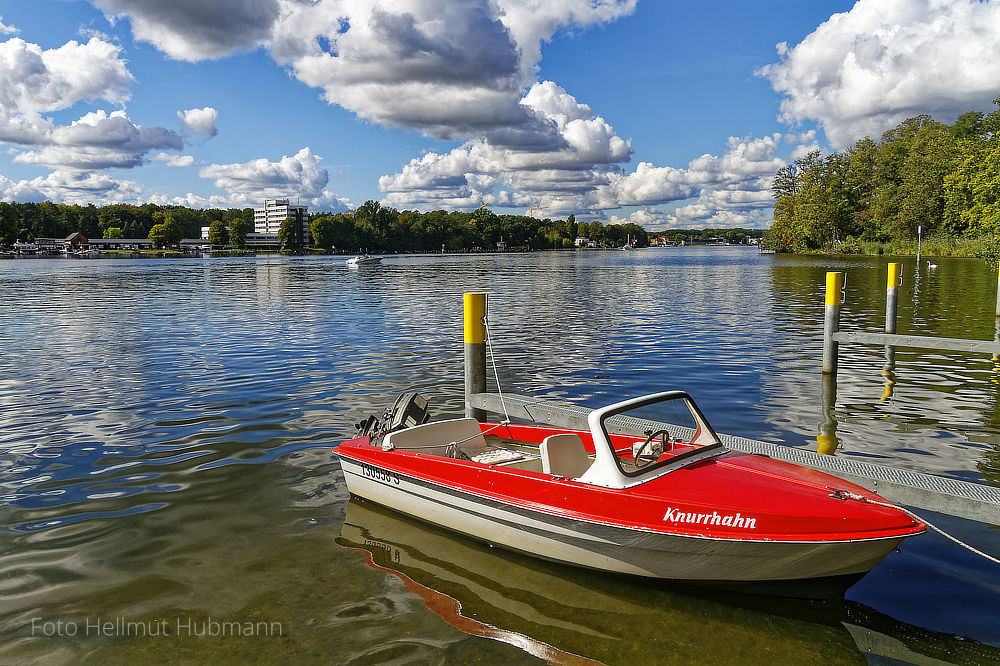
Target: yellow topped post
{"points": [[834, 287], [892, 282], [834, 295], [475, 312], [475, 351], [892, 278]]}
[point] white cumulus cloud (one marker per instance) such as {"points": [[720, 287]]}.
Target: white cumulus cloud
{"points": [[863, 71], [194, 30], [72, 187], [36, 81], [748, 165], [452, 69], [7, 29], [175, 160], [200, 121], [295, 177], [584, 148], [19, 192], [98, 141], [737, 183]]}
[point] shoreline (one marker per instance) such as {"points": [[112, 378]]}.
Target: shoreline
{"points": [[223, 254]]}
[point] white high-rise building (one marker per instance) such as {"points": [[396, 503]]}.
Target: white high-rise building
{"points": [[268, 219]]}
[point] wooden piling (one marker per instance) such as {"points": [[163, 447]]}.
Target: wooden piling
{"points": [[834, 289], [475, 351]]}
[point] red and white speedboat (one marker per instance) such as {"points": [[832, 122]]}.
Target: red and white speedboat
{"points": [[669, 503]]}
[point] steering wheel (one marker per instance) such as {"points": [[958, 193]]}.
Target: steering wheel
{"points": [[645, 445]]}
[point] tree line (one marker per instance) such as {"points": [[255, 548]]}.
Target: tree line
{"points": [[375, 228], [922, 173], [28, 221], [370, 228]]}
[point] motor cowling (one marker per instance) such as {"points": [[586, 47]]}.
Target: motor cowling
{"points": [[410, 409]]}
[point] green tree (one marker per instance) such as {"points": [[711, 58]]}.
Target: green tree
{"points": [[113, 232], [158, 235], [571, 227], [983, 212], [188, 221], [968, 126], [166, 232], [218, 233], [8, 224], [287, 234], [376, 226], [239, 227], [972, 188], [814, 203], [862, 159], [323, 230], [913, 160]]}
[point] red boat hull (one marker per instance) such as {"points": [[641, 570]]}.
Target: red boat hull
{"points": [[735, 517]]}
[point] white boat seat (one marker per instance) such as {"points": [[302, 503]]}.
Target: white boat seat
{"points": [[564, 455], [434, 438]]}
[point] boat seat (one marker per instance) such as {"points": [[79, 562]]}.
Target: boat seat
{"points": [[434, 438], [564, 455]]}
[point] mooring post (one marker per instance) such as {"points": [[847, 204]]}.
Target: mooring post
{"points": [[475, 351], [996, 358], [998, 294], [892, 283], [834, 297]]}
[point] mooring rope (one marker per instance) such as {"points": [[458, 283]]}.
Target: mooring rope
{"points": [[849, 495], [493, 360]]}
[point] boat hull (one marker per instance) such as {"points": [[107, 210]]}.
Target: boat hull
{"points": [[608, 547]]}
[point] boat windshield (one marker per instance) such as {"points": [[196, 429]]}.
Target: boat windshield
{"points": [[665, 430]]}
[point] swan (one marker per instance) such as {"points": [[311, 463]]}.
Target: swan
{"points": [[930, 265]]}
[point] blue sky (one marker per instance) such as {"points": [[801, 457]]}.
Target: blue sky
{"points": [[667, 114]]}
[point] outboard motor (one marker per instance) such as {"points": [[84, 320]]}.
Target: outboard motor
{"points": [[410, 409]]}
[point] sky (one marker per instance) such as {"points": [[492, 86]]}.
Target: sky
{"points": [[668, 114]]}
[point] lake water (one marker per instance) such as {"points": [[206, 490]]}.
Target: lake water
{"points": [[168, 493]]}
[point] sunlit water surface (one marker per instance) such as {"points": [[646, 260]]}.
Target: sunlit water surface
{"points": [[166, 431]]}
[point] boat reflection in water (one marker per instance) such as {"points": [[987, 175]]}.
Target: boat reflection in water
{"points": [[566, 615]]}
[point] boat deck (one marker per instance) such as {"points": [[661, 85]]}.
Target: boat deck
{"points": [[973, 501]]}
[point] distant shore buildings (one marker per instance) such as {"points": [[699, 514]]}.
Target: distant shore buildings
{"points": [[267, 219]]}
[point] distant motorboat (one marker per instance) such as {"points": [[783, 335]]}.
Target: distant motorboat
{"points": [[363, 260]]}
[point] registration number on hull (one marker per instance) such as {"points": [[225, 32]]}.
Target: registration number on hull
{"points": [[379, 474]]}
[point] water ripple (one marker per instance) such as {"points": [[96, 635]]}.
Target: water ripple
{"points": [[166, 426]]}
